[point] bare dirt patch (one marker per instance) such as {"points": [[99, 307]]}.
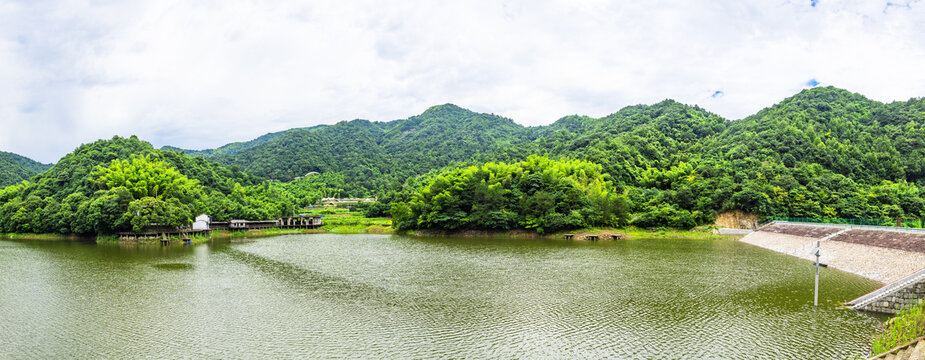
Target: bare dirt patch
{"points": [[737, 219]]}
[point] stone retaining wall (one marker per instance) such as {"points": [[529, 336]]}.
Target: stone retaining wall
{"points": [[898, 299]]}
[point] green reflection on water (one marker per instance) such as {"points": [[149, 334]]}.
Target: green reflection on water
{"points": [[325, 295]]}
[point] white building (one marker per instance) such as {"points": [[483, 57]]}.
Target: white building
{"points": [[202, 222]]}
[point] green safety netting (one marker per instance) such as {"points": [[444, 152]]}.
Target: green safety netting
{"points": [[911, 223]]}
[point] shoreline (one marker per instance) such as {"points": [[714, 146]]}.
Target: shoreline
{"points": [[47, 237], [579, 234]]}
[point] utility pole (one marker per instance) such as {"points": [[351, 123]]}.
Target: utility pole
{"points": [[817, 251]]}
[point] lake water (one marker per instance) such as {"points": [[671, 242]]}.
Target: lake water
{"points": [[380, 296]]}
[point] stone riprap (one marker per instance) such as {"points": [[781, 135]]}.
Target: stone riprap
{"points": [[816, 232], [908, 241]]}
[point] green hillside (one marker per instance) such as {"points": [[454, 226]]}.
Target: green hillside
{"points": [[16, 168], [228, 149], [537, 194], [375, 155], [822, 153], [123, 184]]}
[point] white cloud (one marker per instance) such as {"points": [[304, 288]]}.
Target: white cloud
{"points": [[201, 74]]}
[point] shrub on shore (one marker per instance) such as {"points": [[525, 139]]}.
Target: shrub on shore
{"points": [[908, 325]]}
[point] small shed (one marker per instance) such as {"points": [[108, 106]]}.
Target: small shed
{"points": [[202, 222]]}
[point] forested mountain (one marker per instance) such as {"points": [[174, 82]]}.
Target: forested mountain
{"points": [[16, 168], [228, 149], [822, 153], [446, 134], [842, 131], [639, 137], [648, 152], [350, 148], [375, 155], [124, 183]]}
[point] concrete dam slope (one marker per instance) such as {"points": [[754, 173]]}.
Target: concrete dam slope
{"points": [[895, 256]]}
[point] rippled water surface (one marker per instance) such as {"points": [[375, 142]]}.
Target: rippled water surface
{"points": [[371, 296]]}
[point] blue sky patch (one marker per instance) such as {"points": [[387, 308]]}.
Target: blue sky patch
{"points": [[813, 3], [812, 83], [717, 94], [889, 4]]}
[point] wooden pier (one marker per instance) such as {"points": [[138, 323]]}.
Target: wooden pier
{"points": [[162, 233], [163, 236], [593, 237]]}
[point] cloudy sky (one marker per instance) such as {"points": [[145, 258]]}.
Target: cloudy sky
{"points": [[199, 74]]}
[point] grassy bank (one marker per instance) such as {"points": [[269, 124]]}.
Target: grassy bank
{"points": [[341, 221], [702, 233], [582, 234], [256, 233], [174, 240], [43, 237]]}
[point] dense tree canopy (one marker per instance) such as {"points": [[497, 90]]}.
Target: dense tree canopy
{"points": [[373, 156], [823, 153], [538, 193], [15, 168], [310, 189], [124, 184]]}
